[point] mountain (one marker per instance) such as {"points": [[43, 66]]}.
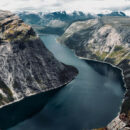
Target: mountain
{"points": [[26, 66], [43, 18], [52, 23], [113, 14], [105, 39], [58, 22]]}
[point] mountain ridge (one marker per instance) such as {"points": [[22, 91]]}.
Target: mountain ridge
{"points": [[58, 22], [26, 66]]}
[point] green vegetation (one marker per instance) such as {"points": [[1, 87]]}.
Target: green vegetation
{"points": [[128, 57], [18, 31], [7, 91], [101, 55], [118, 48], [110, 60], [117, 55]]}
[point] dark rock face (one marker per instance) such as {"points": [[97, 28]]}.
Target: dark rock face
{"points": [[125, 66], [26, 66]]}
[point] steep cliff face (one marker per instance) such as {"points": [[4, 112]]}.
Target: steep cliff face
{"points": [[104, 39], [26, 66]]}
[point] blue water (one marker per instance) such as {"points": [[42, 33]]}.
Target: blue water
{"points": [[92, 100]]}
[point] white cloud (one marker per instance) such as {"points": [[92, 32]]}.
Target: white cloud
{"points": [[94, 6]]}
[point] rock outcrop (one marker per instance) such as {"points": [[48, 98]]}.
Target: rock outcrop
{"points": [[26, 66], [104, 39]]}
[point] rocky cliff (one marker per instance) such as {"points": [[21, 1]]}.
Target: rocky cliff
{"points": [[104, 39], [26, 66]]}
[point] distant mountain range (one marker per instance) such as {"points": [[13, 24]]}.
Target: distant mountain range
{"points": [[113, 14], [55, 22], [58, 22], [43, 19]]}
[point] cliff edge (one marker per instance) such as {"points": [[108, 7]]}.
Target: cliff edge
{"points": [[26, 66]]}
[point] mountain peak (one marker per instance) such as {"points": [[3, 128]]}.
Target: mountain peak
{"points": [[114, 13], [12, 28]]}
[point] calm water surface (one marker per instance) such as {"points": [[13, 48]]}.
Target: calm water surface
{"points": [[91, 100]]}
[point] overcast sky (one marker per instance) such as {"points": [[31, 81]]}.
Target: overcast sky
{"points": [[93, 6]]}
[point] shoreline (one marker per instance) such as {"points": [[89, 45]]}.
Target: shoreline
{"points": [[123, 79], [103, 62], [54, 88], [43, 91], [125, 84]]}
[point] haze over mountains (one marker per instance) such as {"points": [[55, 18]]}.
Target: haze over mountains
{"points": [[86, 6], [58, 22]]}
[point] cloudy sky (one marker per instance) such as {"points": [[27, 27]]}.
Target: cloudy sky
{"points": [[93, 6]]}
